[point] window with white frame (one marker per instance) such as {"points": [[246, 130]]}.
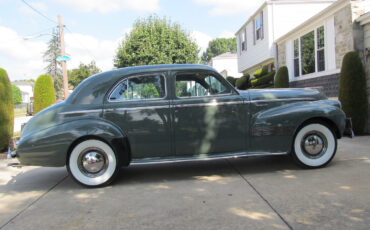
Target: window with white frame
{"points": [[309, 52], [243, 40], [259, 27]]}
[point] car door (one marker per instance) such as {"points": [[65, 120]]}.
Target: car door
{"points": [[139, 105], [208, 114]]}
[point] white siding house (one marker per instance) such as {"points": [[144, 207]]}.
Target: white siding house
{"points": [[274, 18], [26, 89], [226, 64]]}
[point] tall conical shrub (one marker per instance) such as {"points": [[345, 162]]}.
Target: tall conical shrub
{"points": [[352, 91], [282, 78], [6, 110], [43, 93]]}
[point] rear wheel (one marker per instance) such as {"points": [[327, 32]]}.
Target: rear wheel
{"points": [[93, 163], [314, 145]]}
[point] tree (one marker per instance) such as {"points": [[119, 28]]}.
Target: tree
{"points": [[156, 40], [218, 46], [282, 78], [17, 95], [43, 93], [6, 110], [352, 91], [82, 72], [54, 68]]}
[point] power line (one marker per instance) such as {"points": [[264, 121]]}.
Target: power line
{"points": [[37, 11]]}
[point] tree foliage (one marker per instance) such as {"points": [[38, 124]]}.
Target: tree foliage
{"points": [[218, 46], [54, 68], [43, 93], [82, 72], [352, 91], [156, 40], [17, 95], [6, 110], [282, 78]]}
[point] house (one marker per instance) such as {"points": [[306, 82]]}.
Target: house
{"points": [[274, 18], [26, 89], [226, 64]]}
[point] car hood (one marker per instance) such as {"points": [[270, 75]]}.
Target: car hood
{"points": [[295, 94]]}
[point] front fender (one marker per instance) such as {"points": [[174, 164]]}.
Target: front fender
{"points": [[278, 125], [49, 147]]}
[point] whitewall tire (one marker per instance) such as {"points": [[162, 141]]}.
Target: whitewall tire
{"points": [[314, 145], [93, 163]]}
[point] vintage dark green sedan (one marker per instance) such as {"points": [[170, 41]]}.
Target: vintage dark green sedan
{"points": [[168, 113]]}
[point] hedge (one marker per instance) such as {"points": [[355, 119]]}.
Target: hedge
{"points": [[261, 72], [6, 110], [232, 80], [263, 80], [282, 78], [43, 93], [352, 91], [243, 82]]}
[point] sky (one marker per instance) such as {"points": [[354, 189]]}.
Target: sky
{"points": [[94, 28]]}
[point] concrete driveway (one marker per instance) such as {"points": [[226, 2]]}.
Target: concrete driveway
{"points": [[249, 193]]}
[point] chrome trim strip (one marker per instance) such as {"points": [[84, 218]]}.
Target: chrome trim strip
{"points": [[81, 111], [209, 104], [137, 108], [176, 160], [282, 99]]}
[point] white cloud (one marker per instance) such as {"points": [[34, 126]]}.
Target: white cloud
{"points": [[24, 59], [201, 39], [226, 34], [106, 6], [228, 7]]}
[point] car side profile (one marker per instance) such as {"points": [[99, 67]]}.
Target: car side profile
{"points": [[170, 113]]}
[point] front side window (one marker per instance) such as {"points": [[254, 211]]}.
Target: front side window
{"points": [[198, 85], [139, 88]]}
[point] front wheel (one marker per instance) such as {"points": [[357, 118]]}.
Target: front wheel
{"points": [[314, 145], [93, 163]]}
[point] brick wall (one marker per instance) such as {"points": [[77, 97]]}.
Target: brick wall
{"points": [[329, 83]]}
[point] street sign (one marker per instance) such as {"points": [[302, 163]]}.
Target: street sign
{"points": [[63, 58]]}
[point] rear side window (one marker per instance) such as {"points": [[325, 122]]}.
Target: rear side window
{"points": [[139, 88]]}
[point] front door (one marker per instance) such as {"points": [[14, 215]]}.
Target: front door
{"points": [[208, 115], [139, 105]]}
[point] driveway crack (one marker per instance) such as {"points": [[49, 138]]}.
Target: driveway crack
{"points": [[259, 194], [33, 202]]}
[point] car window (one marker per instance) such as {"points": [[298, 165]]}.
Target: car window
{"points": [[199, 84], [139, 88]]}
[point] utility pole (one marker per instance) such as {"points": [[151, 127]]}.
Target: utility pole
{"points": [[63, 53]]}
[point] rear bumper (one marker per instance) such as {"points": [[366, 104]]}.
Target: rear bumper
{"points": [[348, 132]]}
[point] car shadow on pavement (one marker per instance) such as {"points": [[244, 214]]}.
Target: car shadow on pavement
{"points": [[157, 173]]}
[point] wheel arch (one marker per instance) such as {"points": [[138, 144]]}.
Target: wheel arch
{"points": [[323, 120]]}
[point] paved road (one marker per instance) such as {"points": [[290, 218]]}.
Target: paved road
{"points": [[249, 193]]}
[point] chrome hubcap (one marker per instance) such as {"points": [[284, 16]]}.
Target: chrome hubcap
{"points": [[314, 145], [93, 162]]}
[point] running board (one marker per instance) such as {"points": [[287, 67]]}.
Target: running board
{"points": [[146, 161]]}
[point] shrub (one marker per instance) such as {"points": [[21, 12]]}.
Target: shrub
{"points": [[43, 93], [261, 72], [263, 80], [6, 110], [17, 95], [232, 80], [352, 90], [282, 78], [242, 83]]}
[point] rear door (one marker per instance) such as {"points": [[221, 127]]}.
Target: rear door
{"points": [[139, 105], [208, 115]]}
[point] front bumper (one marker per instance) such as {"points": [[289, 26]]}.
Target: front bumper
{"points": [[348, 132]]}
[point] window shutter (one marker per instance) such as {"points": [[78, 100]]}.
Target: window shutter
{"points": [[254, 32], [262, 30]]}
